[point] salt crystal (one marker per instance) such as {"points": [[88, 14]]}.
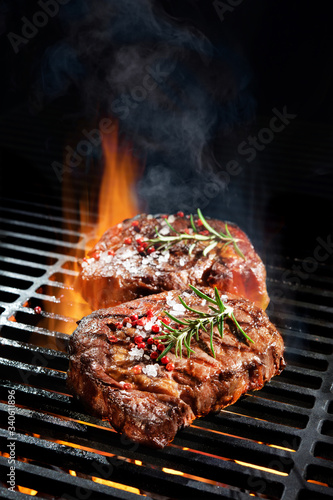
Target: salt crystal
{"points": [[171, 219], [149, 216], [175, 306], [126, 253], [165, 230], [164, 257], [146, 261], [151, 370], [181, 261], [178, 309], [148, 325], [105, 258], [203, 302], [136, 353]]}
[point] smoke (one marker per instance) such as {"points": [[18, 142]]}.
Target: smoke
{"points": [[167, 85]]}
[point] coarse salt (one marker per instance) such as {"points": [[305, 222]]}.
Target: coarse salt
{"points": [[175, 306], [136, 353], [164, 257], [165, 230], [151, 370], [178, 309]]}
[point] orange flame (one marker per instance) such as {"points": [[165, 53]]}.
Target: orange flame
{"points": [[27, 491], [117, 201]]}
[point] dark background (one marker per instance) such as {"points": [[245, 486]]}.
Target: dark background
{"points": [[279, 54]]}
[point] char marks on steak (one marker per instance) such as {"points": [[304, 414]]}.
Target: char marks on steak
{"points": [[149, 404], [117, 271]]}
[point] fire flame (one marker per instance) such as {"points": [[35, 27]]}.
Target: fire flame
{"points": [[117, 201]]}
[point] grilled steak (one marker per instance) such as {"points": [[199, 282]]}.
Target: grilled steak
{"points": [[120, 269], [114, 372]]}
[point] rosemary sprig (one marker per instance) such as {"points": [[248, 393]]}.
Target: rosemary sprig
{"points": [[206, 321], [213, 238]]}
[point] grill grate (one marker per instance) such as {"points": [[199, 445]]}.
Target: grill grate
{"points": [[275, 444]]}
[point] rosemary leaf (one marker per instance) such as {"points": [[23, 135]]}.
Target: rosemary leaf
{"points": [[201, 294], [192, 224], [165, 352], [213, 238], [206, 225], [172, 228], [218, 300], [209, 248], [232, 316], [176, 320], [191, 248], [201, 313], [205, 321]]}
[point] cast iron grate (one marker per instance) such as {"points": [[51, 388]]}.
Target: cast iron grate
{"points": [[274, 444]]}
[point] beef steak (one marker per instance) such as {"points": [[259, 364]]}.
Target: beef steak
{"points": [[119, 269], [112, 370]]}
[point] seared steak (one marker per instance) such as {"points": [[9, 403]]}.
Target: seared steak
{"points": [[114, 371], [121, 268]]}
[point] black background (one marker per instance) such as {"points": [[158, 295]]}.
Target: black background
{"points": [[283, 199]]}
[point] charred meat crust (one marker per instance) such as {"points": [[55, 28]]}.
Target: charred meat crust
{"points": [[151, 409], [107, 280]]}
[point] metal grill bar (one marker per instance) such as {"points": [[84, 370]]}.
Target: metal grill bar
{"points": [[276, 443]]}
